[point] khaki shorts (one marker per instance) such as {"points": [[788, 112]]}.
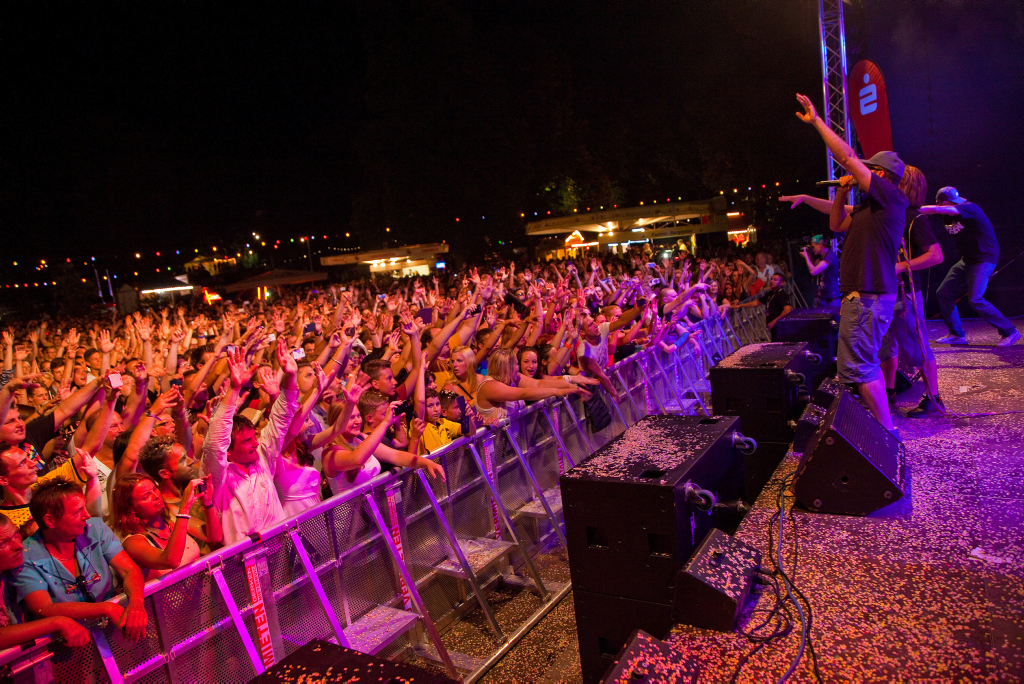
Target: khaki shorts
{"points": [[863, 321]]}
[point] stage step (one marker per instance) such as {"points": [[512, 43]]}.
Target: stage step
{"points": [[690, 407], [480, 554], [528, 583], [375, 631], [462, 661], [535, 509]]}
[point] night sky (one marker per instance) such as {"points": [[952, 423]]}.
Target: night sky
{"points": [[160, 125]]}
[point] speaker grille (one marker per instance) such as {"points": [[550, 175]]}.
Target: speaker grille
{"points": [[864, 433]]}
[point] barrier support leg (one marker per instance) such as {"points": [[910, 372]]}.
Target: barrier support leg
{"points": [[107, 656], [300, 548], [435, 638], [463, 563], [236, 618], [508, 523], [558, 436], [537, 488]]}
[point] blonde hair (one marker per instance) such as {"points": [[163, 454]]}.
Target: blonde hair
{"points": [[914, 185], [499, 365], [469, 356]]}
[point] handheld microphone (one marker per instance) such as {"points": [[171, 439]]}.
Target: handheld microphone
{"points": [[829, 183]]}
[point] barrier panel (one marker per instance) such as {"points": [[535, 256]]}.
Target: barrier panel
{"points": [[385, 567]]}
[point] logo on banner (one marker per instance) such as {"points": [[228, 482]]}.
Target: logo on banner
{"points": [[870, 112], [259, 611], [396, 537]]}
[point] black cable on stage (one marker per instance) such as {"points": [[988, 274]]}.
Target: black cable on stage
{"points": [[781, 608]]}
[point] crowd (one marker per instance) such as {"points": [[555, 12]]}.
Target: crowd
{"points": [[131, 445]]}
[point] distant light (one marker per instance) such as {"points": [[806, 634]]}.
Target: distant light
{"points": [[250, 251], [522, 215], [387, 230], [68, 260], [177, 251], [215, 249], [263, 244], [776, 184], [325, 237], [721, 192], [735, 190], [734, 213], [138, 256], [83, 280], [158, 254], [641, 204], [180, 288], [347, 235]]}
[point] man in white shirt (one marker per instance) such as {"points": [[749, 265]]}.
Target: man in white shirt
{"points": [[593, 353], [243, 467]]}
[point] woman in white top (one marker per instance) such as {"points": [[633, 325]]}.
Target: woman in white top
{"points": [[141, 519], [351, 459], [505, 390]]}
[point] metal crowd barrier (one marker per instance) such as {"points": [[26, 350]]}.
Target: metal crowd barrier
{"points": [[385, 567]]}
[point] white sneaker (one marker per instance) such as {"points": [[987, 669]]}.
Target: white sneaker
{"points": [[1012, 338], [952, 339]]}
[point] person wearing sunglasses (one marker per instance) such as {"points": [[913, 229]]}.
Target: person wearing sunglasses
{"points": [[69, 564], [13, 628]]}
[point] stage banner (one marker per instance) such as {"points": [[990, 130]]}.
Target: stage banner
{"points": [[869, 108], [392, 494], [254, 567]]}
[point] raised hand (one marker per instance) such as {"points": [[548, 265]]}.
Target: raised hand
{"points": [[809, 114], [269, 381], [168, 399], [286, 360], [240, 372], [144, 328]]}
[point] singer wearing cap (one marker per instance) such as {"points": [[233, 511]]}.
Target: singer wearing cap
{"points": [[979, 253], [867, 270]]}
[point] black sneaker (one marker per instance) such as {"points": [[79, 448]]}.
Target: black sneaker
{"points": [[927, 407]]}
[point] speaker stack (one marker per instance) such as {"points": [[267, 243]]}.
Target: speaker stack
{"points": [[635, 511], [767, 386], [818, 327]]}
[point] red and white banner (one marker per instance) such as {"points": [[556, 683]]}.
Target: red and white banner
{"points": [[869, 107], [396, 537], [253, 568], [488, 445]]}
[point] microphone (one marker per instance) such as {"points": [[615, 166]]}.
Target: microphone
{"points": [[829, 183]]}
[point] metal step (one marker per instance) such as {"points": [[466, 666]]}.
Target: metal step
{"points": [[535, 509], [528, 583], [464, 662], [690, 407], [480, 554], [375, 631]]}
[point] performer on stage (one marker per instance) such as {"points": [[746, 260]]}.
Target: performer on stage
{"points": [[827, 270], [907, 336], [979, 253], [867, 270]]}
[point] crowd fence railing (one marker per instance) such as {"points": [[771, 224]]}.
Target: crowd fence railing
{"points": [[387, 566]]}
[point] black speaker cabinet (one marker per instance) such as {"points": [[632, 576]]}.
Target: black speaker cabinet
{"points": [[715, 583], [807, 426], [852, 465], [818, 327], [767, 384], [651, 661], [636, 509], [759, 467], [604, 624]]}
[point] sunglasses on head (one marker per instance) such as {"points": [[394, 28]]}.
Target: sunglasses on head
{"points": [[84, 589]]}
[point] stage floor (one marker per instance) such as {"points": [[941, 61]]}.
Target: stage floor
{"points": [[931, 590]]}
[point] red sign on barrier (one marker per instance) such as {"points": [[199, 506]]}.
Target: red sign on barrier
{"points": [[259, 612], [488, 445], [396, 536]]}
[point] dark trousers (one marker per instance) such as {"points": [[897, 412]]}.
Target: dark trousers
{"points": [[970, 280]]}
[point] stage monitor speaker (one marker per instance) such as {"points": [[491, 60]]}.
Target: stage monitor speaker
{"points": [[852, 465], [650, 660], [808, 425], [818, 327], [714, 584], [636, 509], [766, 384]]}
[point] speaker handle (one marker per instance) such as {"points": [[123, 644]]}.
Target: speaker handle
{"points": [[701, 498], [815, 359], [746, 445], [797, 378]]}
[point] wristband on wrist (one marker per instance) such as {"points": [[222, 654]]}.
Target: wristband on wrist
{"points": [[183, 516], [150, 414]]}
